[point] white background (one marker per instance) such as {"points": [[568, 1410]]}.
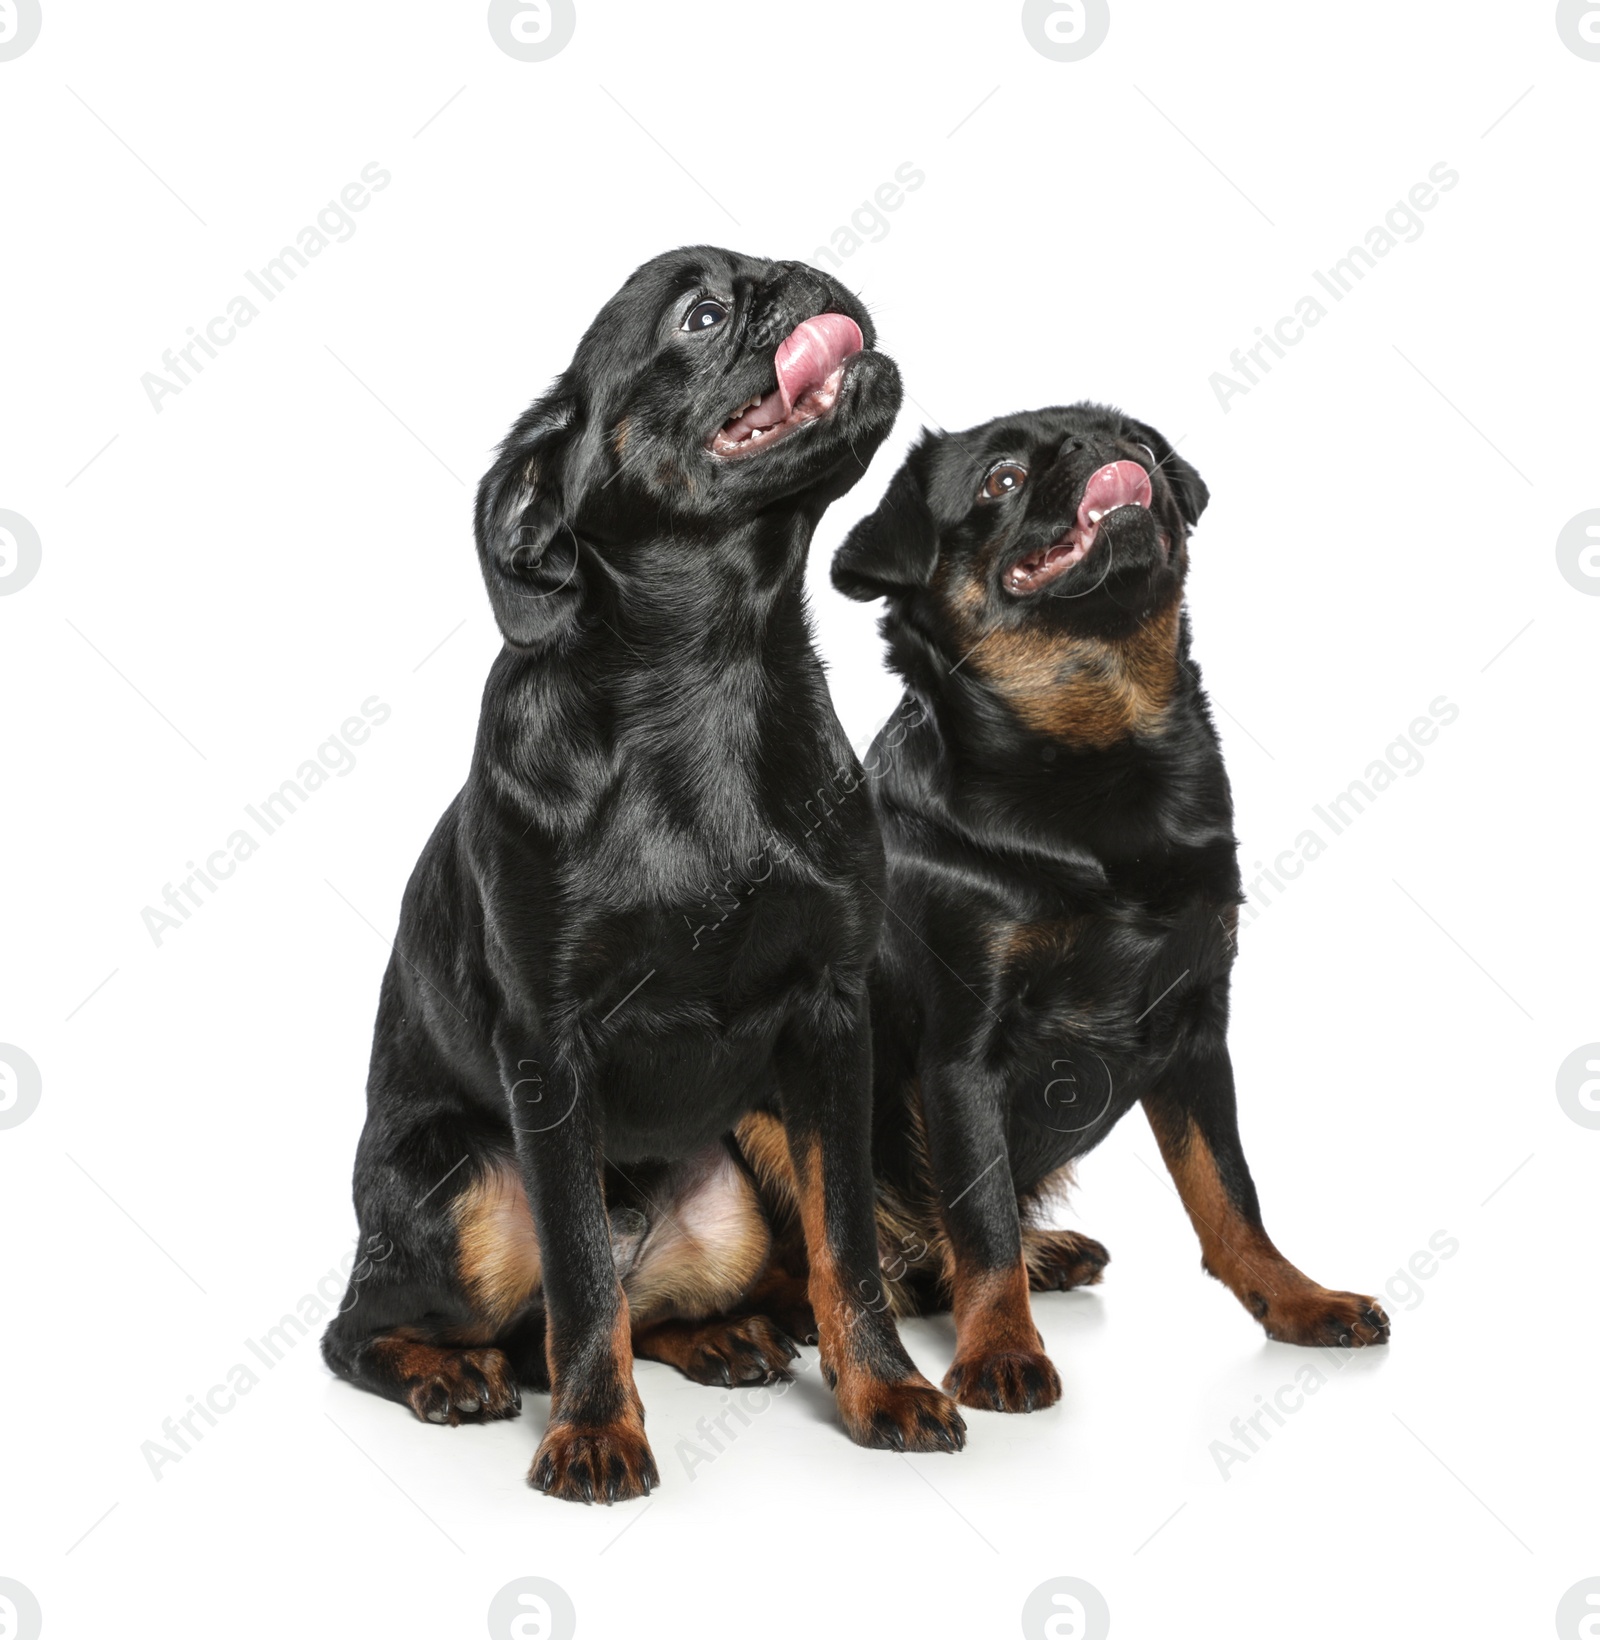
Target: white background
{"points": [[230, 578]]}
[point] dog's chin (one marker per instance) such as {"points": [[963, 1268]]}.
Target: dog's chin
{"points": [[1126, 542]]}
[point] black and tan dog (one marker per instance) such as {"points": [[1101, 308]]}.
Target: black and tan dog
{"points": [[565, 1040], [1063, 883]]}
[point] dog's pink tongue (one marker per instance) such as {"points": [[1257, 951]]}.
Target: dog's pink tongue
{"points": [[811, 353], [1118, 484]]}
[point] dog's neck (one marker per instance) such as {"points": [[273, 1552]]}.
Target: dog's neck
{"points": [[1084, 690], [736, 591], [692, 658], [1043, 769]]}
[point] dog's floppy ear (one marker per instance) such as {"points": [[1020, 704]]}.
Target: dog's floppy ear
{"points": [[527, 548], [1187, 484], [892, 549]]}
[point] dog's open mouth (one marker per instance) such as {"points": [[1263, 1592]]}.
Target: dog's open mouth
{"points": [[1118, 484], [810, 364]]}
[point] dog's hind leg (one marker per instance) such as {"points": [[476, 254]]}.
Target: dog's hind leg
{"points": [[781, 1292], [1059, 1260], [430, 1300], [442, 1384], [1193, 1112]]}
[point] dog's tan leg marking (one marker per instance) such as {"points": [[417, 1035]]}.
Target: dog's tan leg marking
{"points": [[1292, 1307]]}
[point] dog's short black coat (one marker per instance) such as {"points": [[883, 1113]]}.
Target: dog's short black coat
{"points": [[1062, 881], [567, 1035]]}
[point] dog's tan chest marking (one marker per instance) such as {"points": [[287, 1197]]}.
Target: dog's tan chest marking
{"points": [[1085, 692]]}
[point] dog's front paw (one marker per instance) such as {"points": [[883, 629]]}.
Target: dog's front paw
{"points": [[909, 1416], [1005, 1381], [605, 1463], [1348, 1321]]}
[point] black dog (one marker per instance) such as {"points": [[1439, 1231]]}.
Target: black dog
{"points": [[564, 1040], [1063, 883]]}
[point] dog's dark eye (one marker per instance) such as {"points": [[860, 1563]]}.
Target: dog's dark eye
{"points": [[703, 315], [1004, 480]]}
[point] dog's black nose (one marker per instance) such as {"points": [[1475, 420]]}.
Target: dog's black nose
{"points": [[1056, 488], [798, 284]]}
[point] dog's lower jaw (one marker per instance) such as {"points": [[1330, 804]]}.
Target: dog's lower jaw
{"points": [[735, 439]]}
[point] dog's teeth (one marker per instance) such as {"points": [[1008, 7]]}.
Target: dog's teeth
{"points": [[1095, 515]]}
